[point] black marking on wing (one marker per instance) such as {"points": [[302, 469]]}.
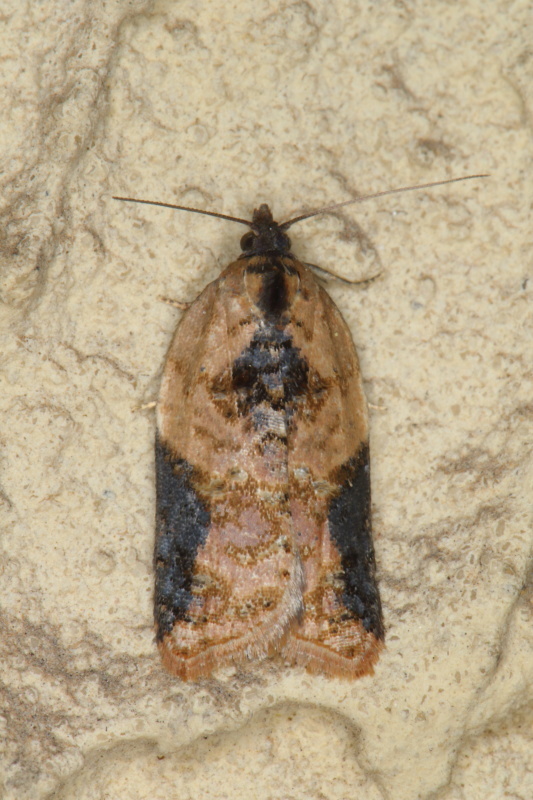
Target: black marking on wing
{"points": [[182, 526], [270, 370], [350, 528]]}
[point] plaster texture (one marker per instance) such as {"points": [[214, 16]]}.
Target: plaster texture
{"points": [[225, 105]]}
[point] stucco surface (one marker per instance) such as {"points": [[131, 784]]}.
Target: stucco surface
{"points": [[224, 105]]}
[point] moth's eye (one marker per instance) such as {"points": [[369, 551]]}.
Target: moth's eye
{"points": [[247, 241]]}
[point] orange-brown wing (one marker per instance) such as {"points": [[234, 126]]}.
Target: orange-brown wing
{"points": [[228, 584], [341, 632]]}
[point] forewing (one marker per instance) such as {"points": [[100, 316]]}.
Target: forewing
{"points": [[341, 631], [227, 583]]}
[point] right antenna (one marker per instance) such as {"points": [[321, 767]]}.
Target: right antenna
{"points": [[327, 209]]}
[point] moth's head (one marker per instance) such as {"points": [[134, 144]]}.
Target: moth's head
{"points": [[265, 236]]}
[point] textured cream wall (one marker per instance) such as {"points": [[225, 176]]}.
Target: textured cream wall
{"points": [[225, 105]]}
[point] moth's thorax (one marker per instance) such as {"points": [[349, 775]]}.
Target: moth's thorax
{"points": [[271, 283]]}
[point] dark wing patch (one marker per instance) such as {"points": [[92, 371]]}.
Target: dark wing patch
{"points": [[183, 524], [270, 370], [350, 528]]}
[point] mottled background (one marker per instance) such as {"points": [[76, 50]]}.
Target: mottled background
{"points": [[225, 105]]}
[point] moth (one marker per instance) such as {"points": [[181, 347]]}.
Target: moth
{"points": [[263, 533]]}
